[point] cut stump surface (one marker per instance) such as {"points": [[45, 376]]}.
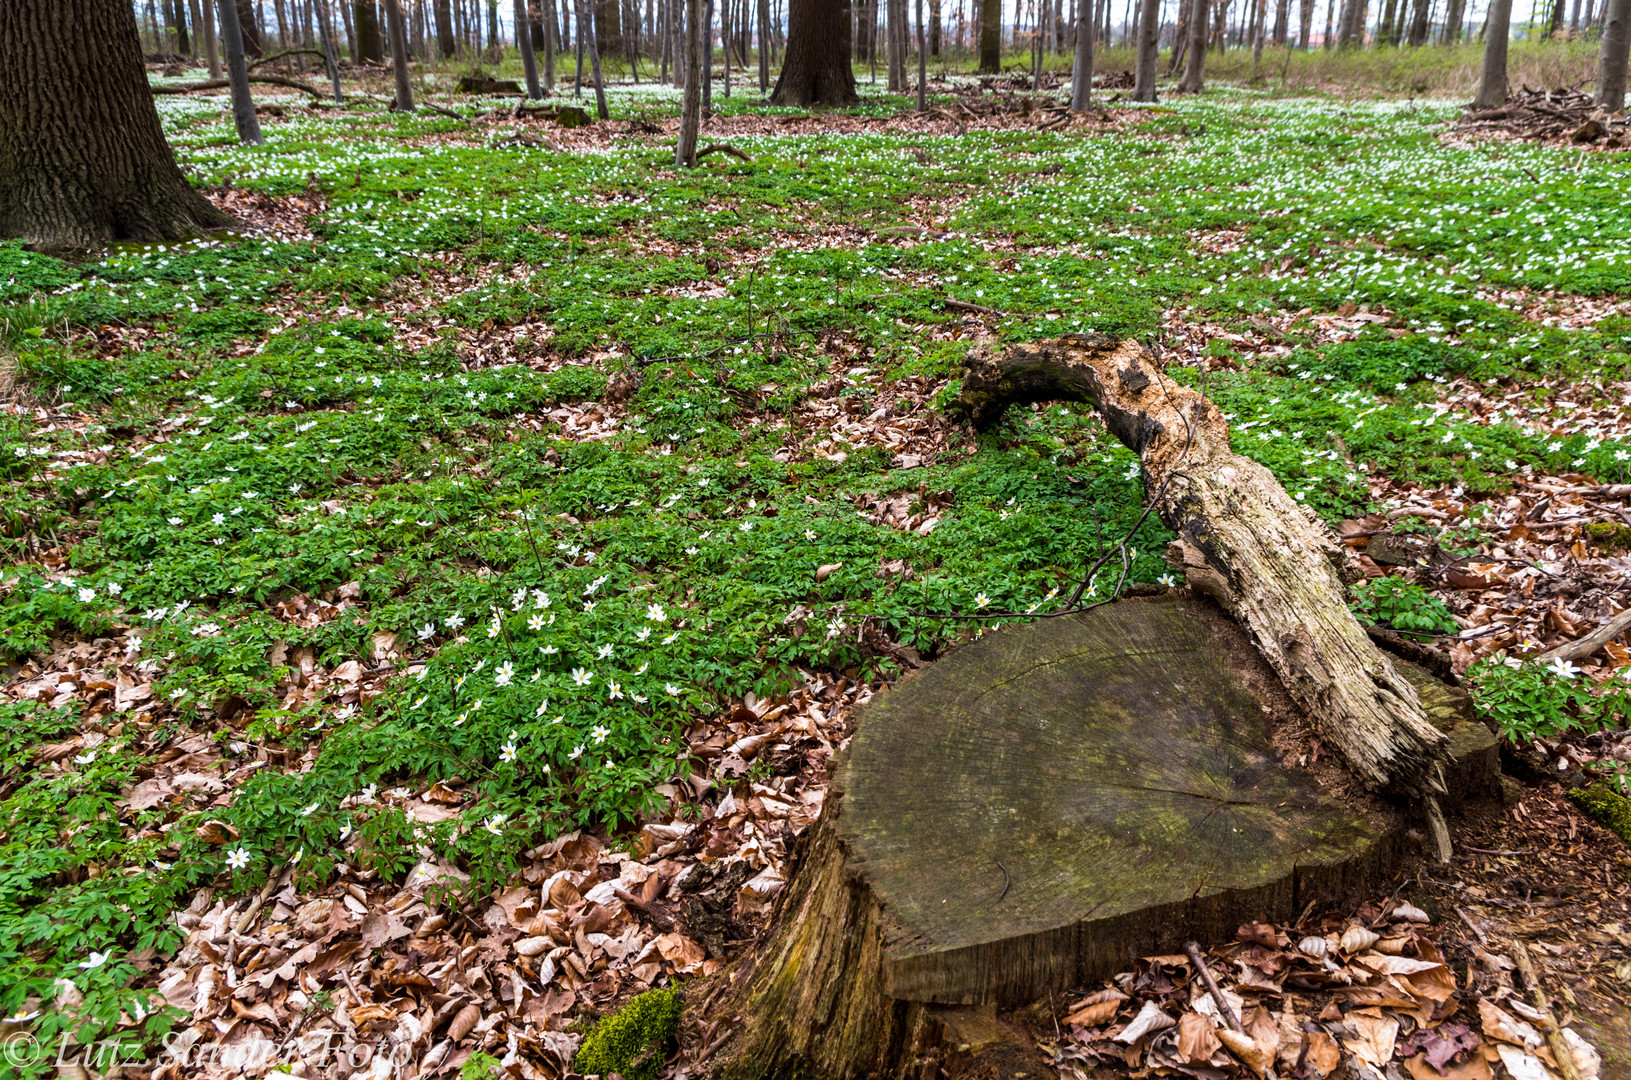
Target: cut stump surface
{"points": [[1054, 798], [1040, 808]]}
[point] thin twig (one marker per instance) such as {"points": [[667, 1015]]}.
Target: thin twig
{"points": [[1193, 951]]}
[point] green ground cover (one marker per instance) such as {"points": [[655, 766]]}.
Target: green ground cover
{"points": [[565, 606]]}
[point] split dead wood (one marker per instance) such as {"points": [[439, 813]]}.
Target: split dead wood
{"points": [[1592, 642], [724, 148], [1241, 540], [223, 84], [1537, 997]]}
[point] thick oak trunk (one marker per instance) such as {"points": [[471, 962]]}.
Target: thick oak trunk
{"points": [[816, 68], [83, 159], [1242, 540]]}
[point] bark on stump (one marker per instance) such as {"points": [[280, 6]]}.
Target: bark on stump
{"points": [[1034, 812]]}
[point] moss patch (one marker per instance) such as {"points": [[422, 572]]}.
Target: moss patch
{"points": [[630, 1041], [1607, 809], [1607, 535]]}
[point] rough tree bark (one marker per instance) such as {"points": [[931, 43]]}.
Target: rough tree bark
{"points": [[83, 159], [1612, 55], [1492, 86], [990, 37], [1081, 73], [816, 66], [1194, 80], [1149, 30], [1242, 541]]}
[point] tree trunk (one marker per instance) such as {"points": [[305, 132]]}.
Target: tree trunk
{"points": [[370, 46], [83, 159], [1180, 36], [990, 37], [243, 105], [325, 32], [184, 43], [212, 51], [816, 68], [685, 151], [1492, 86], [1611, 57], [1194, 79], [1260, 25], [523, 37], [934, 28], [248, 28], [1149, 28], [1081, 74], [588, 14], [764, 46], [1242, 541], [444, 29], [399, 55], [1282, 20]]}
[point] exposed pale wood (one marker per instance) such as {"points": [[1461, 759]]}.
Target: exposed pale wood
{"points": [[1242, 540], [1583, 647]]}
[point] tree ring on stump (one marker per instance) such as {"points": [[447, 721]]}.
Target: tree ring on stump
{"points": [[1053, 800]]}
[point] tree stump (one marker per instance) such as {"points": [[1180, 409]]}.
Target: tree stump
{"points": [[1037, 810]]}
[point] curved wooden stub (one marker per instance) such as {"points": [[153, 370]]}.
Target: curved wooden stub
{"points": [[1242, 540], [1032, 813]]}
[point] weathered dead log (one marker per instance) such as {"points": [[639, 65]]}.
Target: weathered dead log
{"points": [[1242, 540], [222, 84], [1032, 813]]}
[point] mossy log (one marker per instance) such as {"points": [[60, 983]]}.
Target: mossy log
{"points": [[1034, 812], [1241, 540]]}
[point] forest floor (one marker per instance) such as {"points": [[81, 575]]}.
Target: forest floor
{"points": [[428, 615]]}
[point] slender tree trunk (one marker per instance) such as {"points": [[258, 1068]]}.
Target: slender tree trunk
{"points": [[247, 29], [523, 39], [1194, 80], [184, 41], [1081, 73], [1261, 26], [764, 46], [1305, 24], [243, 106], [588, 14], [1180, 36], [816, 68], [922, 61], [212, 50], [1612, 55], [1492, 87], [325, 31], [685, 151], [83, 160], [399, 55], [934, 28], [1149, 29]]}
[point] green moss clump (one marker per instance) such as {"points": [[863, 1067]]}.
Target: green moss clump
{"points": [[1606, 809], [1606, 534], [630, 1041]]}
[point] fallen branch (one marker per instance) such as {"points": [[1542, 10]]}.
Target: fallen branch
{"points": [[977, 309], [223, 84], [286, 53], [1537, 995], [723, 148], [1241, 540], [445, 112], [1584, 647]]}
